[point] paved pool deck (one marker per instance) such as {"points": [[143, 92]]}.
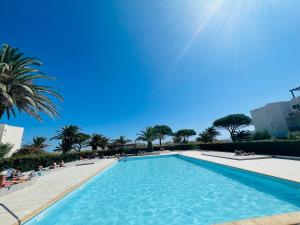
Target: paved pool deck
{"points": [[48, 189], [282, 168], [52, 187]]}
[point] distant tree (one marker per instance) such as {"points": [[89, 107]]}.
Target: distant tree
{"points": [[232, 123], [4, 149], [177, 138], [37, 146], [261, 135], [81, 141], [208, 135], [161, 131], [29, 150], [122, 141], [148, 135], [294, 136], [242, 135], [98, 140], [18, 86], [185, 134], [68, 136], [39, 142]]}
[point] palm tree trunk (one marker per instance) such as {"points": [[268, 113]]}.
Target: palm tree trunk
{"points": [[150, 146], [160, 142], [2, 110]]}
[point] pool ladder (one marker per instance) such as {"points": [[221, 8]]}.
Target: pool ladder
{"points": [[11, 213]]}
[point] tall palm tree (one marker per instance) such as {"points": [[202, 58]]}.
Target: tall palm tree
{"points": [[68, 136], [148, 135], [18, 89], [39, 142], [98, 140]]}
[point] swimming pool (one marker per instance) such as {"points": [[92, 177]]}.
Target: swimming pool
{"points": [[172, 189]]}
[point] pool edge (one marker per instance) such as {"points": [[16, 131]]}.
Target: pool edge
{"points": [[35, 212]]}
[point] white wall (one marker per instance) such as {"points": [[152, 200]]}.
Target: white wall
{"points": [[12, 135], [273, 117]]}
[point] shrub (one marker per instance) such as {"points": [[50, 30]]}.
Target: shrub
{"points": [[294, 135], [4, 149], [27, 150], [32, 161], [261, 135]]}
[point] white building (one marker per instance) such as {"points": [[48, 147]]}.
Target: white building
{"points": [[12, 135], [278, 118]]}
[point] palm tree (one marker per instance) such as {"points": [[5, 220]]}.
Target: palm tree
{"points": [[18, 89], [68, 136], [98, 140], [122, 140], [148, 135], [208, 135], [81, 141], [39, 142], [242, 135], [36, 147]]}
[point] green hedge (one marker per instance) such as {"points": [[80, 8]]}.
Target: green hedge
{"points": [[31, 162], [175, 147], [277, 147]]}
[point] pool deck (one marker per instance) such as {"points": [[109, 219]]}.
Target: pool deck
{"points": [[48, 189], [282, 168]]}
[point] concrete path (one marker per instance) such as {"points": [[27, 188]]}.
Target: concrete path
{"points": [[48, 189]]}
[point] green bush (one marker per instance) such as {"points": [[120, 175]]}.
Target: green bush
{"points": [[32, 161], [4, 149], [261, 135], [276, 147], [294, 136]]}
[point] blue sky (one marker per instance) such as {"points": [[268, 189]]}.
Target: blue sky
{"points": [[123, 65]]}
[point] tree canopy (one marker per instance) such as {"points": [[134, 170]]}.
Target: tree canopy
{"points": [[98, 140], [208, 135], [161, 131], [232, 123], [185, 134], [148, 135], [69, 136], [4, 149], [19, 89]]}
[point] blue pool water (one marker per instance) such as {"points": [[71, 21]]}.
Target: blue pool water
{"points": [[171, 190]]}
